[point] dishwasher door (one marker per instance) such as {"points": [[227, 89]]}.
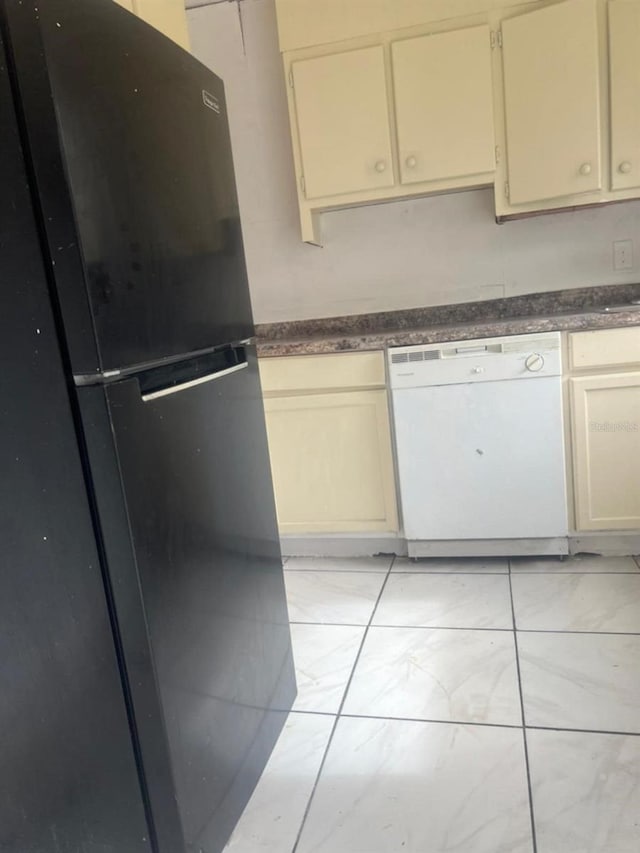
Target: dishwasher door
{"points": [[482, 460]]}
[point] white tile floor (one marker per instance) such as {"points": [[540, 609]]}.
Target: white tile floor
{"points": [[414, 680]]}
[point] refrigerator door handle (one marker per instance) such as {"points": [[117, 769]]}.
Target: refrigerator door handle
{"points": [[183, 386]]}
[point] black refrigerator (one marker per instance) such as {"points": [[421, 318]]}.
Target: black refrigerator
{"points": [[145, 656]]}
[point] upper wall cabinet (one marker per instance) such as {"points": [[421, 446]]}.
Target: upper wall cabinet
{"points": [[569, 118], [444, 104], [540, 99], [552, 102], [168, 16], [391, 119], [343, 122], [308, 23], [624, 53]]}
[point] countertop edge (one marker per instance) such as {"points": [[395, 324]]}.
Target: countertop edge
{"points": [[487, 328]]}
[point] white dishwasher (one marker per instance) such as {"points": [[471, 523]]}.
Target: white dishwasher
{"points": [[480, 446]]}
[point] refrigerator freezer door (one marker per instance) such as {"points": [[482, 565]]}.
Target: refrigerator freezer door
{"points": [[195, 477], [68, 776], [131, 150]]}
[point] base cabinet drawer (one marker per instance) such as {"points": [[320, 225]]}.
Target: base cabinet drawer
{"points": [[332, 463], [605, 413], [605, 349]]}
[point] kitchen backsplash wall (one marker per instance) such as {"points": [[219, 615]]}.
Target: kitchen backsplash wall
{"points": [[430, 251]]}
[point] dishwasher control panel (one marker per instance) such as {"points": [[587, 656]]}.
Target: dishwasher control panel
{"points": [[486, 360]]}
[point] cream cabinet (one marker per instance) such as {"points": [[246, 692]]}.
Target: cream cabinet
{"points": [[168, 16], [605, 426], [330, 443], [343, 122], [305, 23], [552, 102], [391, 117], [444, 104], [540, 99], [569, 121], [624, 61], [606, 436]]}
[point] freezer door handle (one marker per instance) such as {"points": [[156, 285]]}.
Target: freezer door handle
{"points": [[180, 376], [183, 386]]}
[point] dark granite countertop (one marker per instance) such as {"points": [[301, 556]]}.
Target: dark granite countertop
{"points": [[561, 310]]}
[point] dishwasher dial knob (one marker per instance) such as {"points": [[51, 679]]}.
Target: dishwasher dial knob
{"points": [[534, 362]]}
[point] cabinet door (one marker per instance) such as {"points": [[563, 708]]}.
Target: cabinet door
{"points": [[168, 16], [343, 122], [552, 102], [331, 462], [444, 105], [624, 59], [606, 451]]}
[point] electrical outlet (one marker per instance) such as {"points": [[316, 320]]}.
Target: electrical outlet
{"points": [[623, 255]]}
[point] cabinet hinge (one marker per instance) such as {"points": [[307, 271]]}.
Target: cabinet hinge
{"points": [[496, 39], [290, 76], [303, 186], [506, 189], [497, 154]]}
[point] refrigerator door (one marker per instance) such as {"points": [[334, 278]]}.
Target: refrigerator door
{"points": [[68, 775], [131, 152], [190, 448]]}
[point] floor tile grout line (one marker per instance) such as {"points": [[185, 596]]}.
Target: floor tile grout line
{"points": [[411, 627], [582, 731], [554, 572], [579, 633], [452, 574], [395, 719], [428, 573], [471, 628], [377, 573], [331, 624], [341, 571], [312, 713], [524, 730], [443, 628], [340, 707], [424, 572], [471, 723]]}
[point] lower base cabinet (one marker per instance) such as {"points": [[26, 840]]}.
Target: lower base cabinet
{"points": [[331, 452], [606, 450], [605, 427]]}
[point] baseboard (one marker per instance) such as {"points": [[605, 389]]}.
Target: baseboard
{"points": [[613, 543], [609, 544], [343, 545], [556, 546]]}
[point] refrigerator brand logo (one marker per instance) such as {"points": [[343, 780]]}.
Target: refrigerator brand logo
{"points": [[210, 101]]}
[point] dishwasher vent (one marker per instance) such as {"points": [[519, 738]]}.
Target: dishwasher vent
{"points": [[417, 355]]}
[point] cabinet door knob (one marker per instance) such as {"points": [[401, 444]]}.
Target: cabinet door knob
{"points": [[411, 162], [585, 169], [624, 167], [380, 166]]}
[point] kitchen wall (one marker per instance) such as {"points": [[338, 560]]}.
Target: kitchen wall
{"points": [[422, 252]]}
